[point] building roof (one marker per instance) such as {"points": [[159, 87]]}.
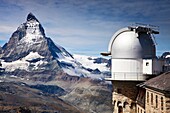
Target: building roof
{"points": [[161, 82], [132, 43]]}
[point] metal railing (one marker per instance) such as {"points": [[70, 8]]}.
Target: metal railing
{"points": [[126, 76]]}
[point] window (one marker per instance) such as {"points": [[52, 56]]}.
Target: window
{"points": [[114, 102], [138, 109], [147, 63], [120, 109], [162, 103], [147, 97], [156, 101], [151, 98], [126, 105], [119, 90]]}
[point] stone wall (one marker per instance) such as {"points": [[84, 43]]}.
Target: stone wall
{"points": [[155, 102], [168, 103], [124, 96], [140, 109], [141, 101]]}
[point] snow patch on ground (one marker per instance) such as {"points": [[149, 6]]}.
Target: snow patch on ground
{"points": [[23, 63], [13, 76], [32, 56], [18, 64]]}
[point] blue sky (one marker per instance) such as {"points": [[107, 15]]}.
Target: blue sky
{"points": [[86, 26]]}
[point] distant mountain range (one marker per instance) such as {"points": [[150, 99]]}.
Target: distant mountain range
{"points": [[31, 58]]}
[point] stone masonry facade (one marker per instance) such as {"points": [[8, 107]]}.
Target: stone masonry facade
{"points": [[124, 96]]}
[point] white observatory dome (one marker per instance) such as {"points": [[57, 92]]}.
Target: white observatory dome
{"points": [[132, 43], [132, 50]]}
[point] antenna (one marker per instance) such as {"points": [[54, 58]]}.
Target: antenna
{"points": [[153, 38], [140, 27]]}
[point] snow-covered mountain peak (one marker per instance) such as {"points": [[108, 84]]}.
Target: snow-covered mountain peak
{"points": [[30, 32], [33, 27], [31, 17], [34, 32], [30, 37]]}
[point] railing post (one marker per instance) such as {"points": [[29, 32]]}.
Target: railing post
{"points": [[114, 76]]}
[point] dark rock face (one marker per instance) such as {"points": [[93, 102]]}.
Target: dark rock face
{"points": [[31, 17], [165, 54], [100, 60], [0, 49], [96, 71], [109, 63], [49, 89], [66, 65]]}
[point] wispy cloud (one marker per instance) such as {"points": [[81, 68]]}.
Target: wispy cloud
{"points": [[6, 29]]}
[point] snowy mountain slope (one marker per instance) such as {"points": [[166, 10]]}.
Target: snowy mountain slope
{"points": [[90, 62], [85, 66], [32, 59]]}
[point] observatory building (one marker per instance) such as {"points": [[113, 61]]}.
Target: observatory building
{"points": [[133, 60]]}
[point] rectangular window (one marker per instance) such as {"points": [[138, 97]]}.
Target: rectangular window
{"points": [[147, 97], [162, 103], [156, 101], [147, 63], [151, 98], [138, 109], [119, 90]]}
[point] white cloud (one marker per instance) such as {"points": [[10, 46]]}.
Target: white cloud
{"points": [[7, 29]]}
